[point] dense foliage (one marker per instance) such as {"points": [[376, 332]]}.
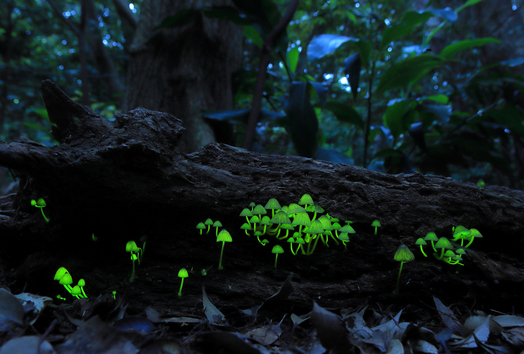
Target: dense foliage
{"points": [[354, 82]]}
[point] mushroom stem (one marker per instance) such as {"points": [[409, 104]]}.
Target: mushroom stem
{"points": [[398, 278], [181, 285], [221, 253]]}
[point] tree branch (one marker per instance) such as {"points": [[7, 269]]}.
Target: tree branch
{"points": [[265, 57]]}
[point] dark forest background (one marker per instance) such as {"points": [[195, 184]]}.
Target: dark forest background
{"points": [[395, 86]]}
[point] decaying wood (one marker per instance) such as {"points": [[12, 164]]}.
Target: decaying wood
{"points": [[132, 164]]}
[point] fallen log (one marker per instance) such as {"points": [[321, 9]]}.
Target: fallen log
{"points": [[124, 178], [132, 163]]}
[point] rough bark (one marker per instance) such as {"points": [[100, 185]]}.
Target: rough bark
{"points": [[130, 166], [186, 70]]}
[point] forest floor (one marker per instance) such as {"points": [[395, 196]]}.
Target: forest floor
{"points": [[439, 308]]}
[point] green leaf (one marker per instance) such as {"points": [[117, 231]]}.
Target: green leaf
{"points": [[352, 66], [508, 116], [351, 16], [292, 57], [42, 112], [397, 118], [454, 48], [409, 21], [438, 98], [36, 127], [302, 120], [253, 35], [442, 113], [407, 71], [345, 113], [468, 3], [319, 89], [325, 44], [364, 49]]}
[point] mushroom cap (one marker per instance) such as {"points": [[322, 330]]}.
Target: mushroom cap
{"points": [[347, 229], [280, 218], [41, 202], [182, 273], [259, 210], [460, 251], [201, 226], [460, 232], [60, 273], [246, 226], [475, 233], [265, 220], [76, 290], [376, 223], [224, 236], [33, 202], [208, 222], [443, 242], [287, 226], [301, 218], [431, 236], [326, 223], [294, 208], [449, 253], [217, 224], [343, 236], [306, 199], [81, 282], [332, 218], [131, 246], [66, 279], [277, 249], [272, 204], [403, 254], [315, 227], [336, 226], [420, 241], [246, 212], [315, 208]]}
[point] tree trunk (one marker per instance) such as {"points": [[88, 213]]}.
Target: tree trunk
{"points": [[184, 71]]}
